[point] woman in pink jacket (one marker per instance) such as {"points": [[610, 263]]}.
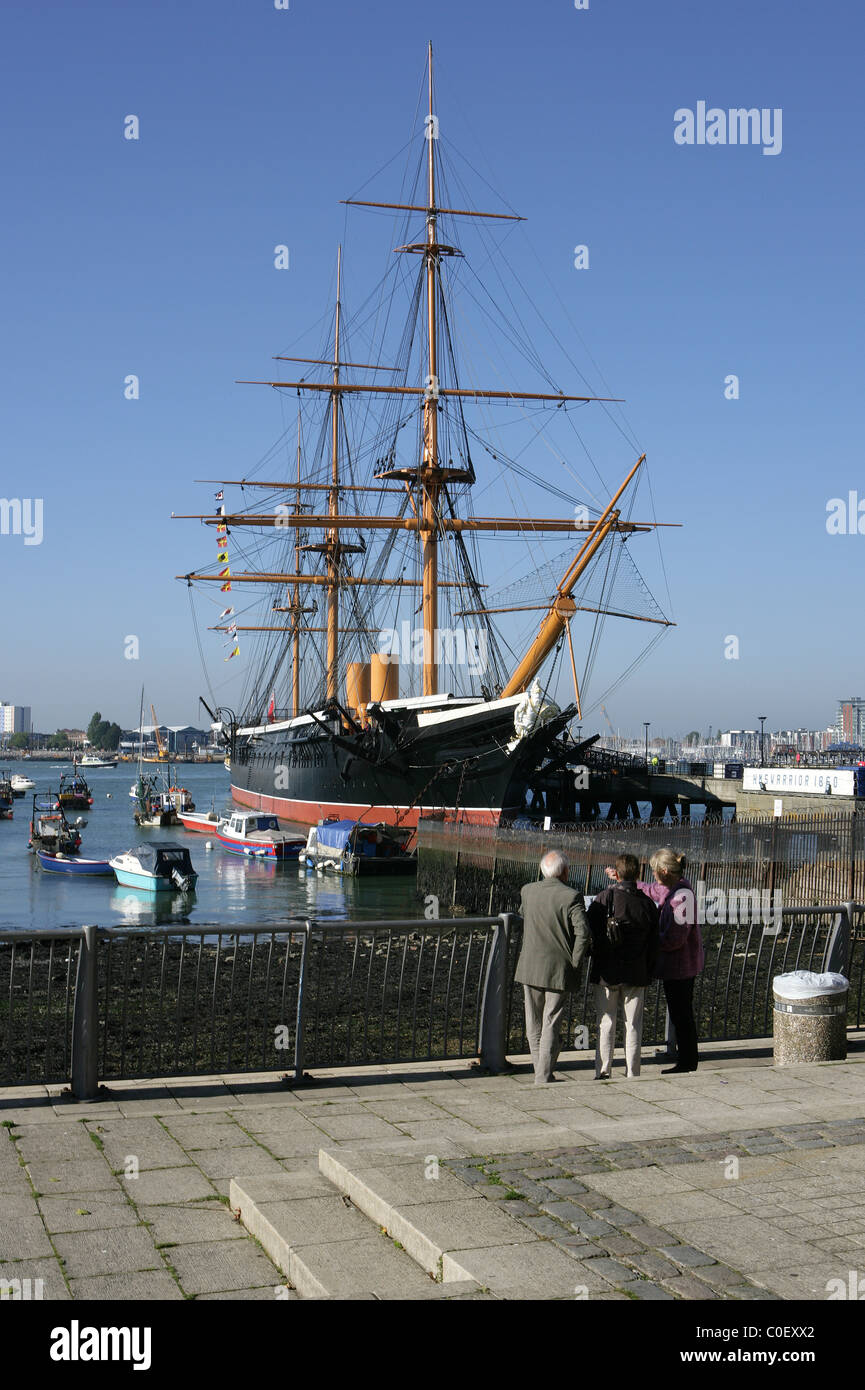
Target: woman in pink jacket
{"points": [[680, 949]]}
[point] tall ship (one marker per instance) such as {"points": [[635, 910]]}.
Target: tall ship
{"points": [[389, 676]]}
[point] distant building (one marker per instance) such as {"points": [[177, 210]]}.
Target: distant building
{"points": [[180, 739], [850, 723], [14, 719]]}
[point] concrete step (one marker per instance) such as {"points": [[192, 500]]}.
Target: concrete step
{"points": [[325, 1246], [452, 1231]]}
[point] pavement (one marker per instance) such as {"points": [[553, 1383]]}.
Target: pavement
{"points": [[738, 1181]]}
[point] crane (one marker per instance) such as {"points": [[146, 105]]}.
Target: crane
{"points": [[603, 712], [161, 753]]}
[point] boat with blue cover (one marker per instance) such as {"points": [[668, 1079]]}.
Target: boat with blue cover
{"points": [[359, 847]]}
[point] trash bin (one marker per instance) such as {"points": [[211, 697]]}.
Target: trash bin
{"points": [[810, 1018]]}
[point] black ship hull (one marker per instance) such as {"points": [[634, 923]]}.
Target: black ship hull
{"points": [[396, 771]]}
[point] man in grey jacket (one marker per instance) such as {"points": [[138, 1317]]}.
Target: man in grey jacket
{"points": [[556, 938]]}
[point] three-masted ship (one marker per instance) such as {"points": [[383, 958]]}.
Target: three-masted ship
{"points": [[384, 716]]}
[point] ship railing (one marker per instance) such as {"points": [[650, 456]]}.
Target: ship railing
{"points": [[95, 1005]]}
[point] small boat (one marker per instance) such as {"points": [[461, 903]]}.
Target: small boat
{"points": [[50, 831], [205, 825], [257, 835], [157, 868], [359, 847], [90, 760], [6, 796], [21, 785], [159, 805], [73, 864], [74, 791]]}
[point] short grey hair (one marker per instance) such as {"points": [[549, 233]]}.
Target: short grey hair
{"points": [[553, 864]]}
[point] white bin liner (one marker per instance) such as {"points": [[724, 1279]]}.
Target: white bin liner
{"points": [[807, 984]]}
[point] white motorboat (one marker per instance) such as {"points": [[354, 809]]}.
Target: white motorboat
{"points": [[20, 784], [156, 868]]}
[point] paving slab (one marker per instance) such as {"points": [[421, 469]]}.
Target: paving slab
{"points": [[53, 1176], [143, 1139], [368, 1264], [132, 1287], [280, 1293], [115, 1251], [162, 1185], [536, 1269], [218, 1266], [241, 1158], [744, 1243], [24, 1238], [53, 1287], [178, 1225], [212, 1137], [87, 1211], [41, 1141]]}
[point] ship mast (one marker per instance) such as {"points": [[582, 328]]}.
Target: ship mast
{"points": [[332, 659], [295, 595], [430, 479], [429, 468]]}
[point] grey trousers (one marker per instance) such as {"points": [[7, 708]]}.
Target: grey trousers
{"points": [[544, 1009]]}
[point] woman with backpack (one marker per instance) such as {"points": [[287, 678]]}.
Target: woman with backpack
{"points": [[624, 926]]}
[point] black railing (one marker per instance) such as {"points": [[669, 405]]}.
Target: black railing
{"points": [[92, 1004]]}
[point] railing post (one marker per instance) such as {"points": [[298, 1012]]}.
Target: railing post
{"points": [[494, 1005], [85, 1021], [299, 1020], [836, 957]]}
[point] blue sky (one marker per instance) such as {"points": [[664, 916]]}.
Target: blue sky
{"points": [[155, 257]]}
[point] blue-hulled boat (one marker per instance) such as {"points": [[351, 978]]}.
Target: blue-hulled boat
{"points": [[156, 868], [74, 864]]}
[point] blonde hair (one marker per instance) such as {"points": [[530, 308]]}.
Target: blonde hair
{"points": [[668, 861]]}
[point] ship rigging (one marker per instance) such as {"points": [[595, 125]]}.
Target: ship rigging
{"points": [[379, 525]]}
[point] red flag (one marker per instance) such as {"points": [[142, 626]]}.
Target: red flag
{"points": [[271, 709]]}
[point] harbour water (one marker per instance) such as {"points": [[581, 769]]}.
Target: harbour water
{"points": [[231, 889]]}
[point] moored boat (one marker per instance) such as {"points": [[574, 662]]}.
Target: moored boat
{"points": [[359, 847], [6, 796], [73, 864], [256, 835], [90, 760], [50, 831], [204, 825], [74, 791], [156, 868]]}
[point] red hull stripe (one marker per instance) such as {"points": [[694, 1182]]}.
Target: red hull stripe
{"points": [[311, 812]]}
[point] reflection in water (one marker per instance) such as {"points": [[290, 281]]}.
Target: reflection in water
{"points": [[139, 908]]}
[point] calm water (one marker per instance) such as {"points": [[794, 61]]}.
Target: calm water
{"points": [[230, 888]]}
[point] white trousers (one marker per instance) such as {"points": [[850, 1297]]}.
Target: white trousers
{"points": [[607, 998]]}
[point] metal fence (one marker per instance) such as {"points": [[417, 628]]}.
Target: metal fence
{"points": [[810, 859], [91, 1005], [96, 1004]]}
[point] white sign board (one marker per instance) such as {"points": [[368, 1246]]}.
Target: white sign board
{"points": [[805, 781]]}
